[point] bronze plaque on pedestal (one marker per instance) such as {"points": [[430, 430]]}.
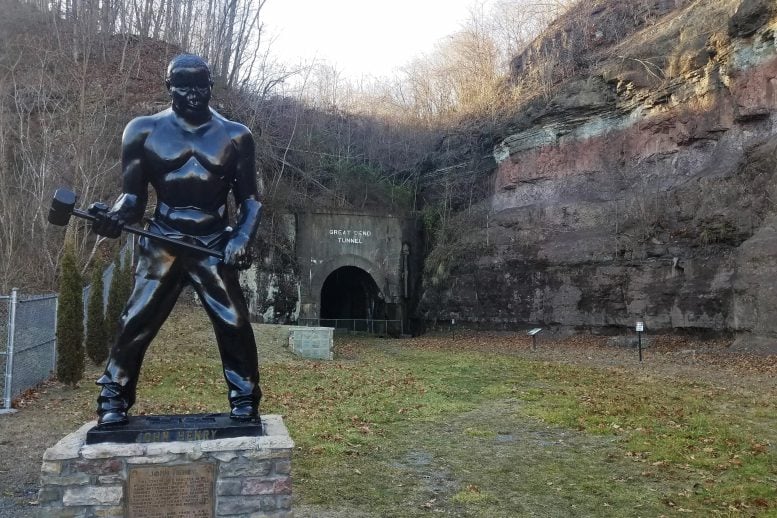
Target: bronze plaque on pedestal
{"points": [[171, 491]]}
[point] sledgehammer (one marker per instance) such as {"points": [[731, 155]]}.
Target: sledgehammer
{"points": [[63, 206]]}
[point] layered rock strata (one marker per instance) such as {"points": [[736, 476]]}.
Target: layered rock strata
{"points": [[645, 191]]}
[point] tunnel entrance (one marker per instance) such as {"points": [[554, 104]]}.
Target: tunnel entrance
{"points": [[351, 293]]}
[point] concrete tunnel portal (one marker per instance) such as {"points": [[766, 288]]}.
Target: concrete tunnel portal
{"points": [[357, 266], [351, 293]]}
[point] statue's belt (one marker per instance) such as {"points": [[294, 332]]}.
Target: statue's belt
{"points": [[169, 213], [207, 228]]}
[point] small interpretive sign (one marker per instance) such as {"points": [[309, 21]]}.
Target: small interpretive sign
{"points": [[640, 327]]}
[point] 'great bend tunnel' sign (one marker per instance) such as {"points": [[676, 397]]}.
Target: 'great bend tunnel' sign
{"points": [[354, 237]]}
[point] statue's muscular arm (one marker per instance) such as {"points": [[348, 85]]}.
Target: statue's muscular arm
{"points": [[131, 204], [246, 193]]}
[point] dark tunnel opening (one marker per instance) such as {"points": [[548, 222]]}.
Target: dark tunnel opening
{"points": [[351, 293]]}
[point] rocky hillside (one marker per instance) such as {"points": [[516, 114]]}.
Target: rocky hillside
{"points": [[640, 188]]}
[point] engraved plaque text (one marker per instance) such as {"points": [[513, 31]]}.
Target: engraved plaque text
{"points": [[171, 491]]}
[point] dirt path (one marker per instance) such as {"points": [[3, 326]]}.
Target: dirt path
{"points": [[43, 418]]}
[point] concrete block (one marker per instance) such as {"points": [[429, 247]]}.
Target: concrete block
{"points": [[313, 343]]}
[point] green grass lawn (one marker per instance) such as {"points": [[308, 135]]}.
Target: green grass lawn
{"points": [[398, 428]]}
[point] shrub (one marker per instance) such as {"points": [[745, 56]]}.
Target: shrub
{"points": [[118, 294], [127, 276], [116, 300], [70, 321], [96, 335]]}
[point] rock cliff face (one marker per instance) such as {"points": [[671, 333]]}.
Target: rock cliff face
{"points": [[644, 191]]}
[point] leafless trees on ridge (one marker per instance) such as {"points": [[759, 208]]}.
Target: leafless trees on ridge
{"points": [[72, 72], [227, 33]]}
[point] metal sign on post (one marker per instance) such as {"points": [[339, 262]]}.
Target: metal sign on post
{"points": [[640, 329], [533, 333]]}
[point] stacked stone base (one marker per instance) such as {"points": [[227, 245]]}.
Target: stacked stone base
{"points": [[252, 475]]}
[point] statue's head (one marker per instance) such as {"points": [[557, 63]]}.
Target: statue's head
{"points": [[189, 83]]}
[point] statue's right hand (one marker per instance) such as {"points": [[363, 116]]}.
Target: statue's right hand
{"points": [[106, 223]]}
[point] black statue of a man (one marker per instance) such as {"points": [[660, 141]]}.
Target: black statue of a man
{"points": [[193, 157]]}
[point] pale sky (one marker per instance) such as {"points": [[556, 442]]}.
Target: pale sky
{"points": [[361, 37]]}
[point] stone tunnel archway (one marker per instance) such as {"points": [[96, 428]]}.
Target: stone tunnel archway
{"points": [[349, 292], [349, 286], [369, 250]]}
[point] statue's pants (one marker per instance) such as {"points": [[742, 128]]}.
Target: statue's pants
{"points": [[161, 274]]}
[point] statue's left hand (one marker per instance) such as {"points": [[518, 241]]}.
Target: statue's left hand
{"points": [[237, 253], [106, 223]]}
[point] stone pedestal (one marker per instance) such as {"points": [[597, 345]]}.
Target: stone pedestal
{"points": [[240, 476]]}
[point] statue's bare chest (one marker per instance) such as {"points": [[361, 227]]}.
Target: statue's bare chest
{"points": [[209, 149]]}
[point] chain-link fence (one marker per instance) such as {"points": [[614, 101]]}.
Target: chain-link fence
{"points": [[357, 325], [34, 342], [28, 343], [30, 324], [5, 304]]}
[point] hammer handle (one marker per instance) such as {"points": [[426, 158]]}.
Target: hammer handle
{"points": [[157, 237]]}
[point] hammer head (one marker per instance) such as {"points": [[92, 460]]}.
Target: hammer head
{"points": [[62, 207]]}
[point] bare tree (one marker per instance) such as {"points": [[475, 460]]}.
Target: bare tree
{"points": [[227, 33]]}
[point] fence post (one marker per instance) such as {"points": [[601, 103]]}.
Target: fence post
{"points": [[9, 350], [56, 321]]}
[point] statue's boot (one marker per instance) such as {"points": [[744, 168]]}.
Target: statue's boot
{"points": [[112, 403], [244, 395], [244, 409]]}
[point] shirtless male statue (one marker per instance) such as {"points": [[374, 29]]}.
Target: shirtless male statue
{"points": [[193, 157]]}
